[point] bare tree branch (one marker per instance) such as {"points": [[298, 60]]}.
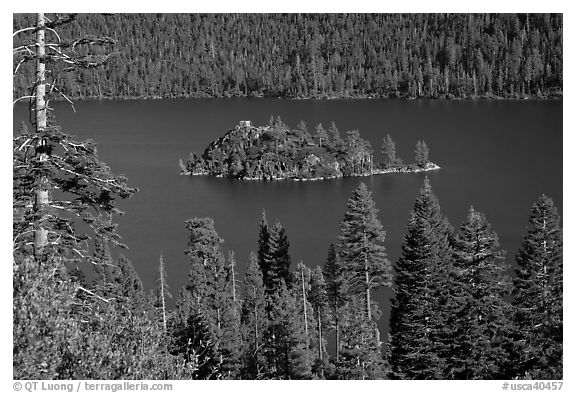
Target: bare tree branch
{"points": [[94, 294], [23, 30], [22, 98]]}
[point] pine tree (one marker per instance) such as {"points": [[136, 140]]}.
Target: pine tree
{"points": [[318, 298], [105, 269], [422, 154], [321, 136], [193, 339], [119, 280], [286, 350], [364, 268], [389, 152], [538, 296], [129, 282], [482, 337], [263, 248], [48, 159], [279, 257], [254, 321], [335, 139], [229, 340], [209, 287], [362, 247], [302, 322], [361, 356], [419, 330], [273, 255], [336, 289]]}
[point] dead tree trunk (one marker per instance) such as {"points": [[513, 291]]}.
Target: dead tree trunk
{"points": [[367, 282], [337, 337], [162, 294], [319, 334], [304, 303], [232, 265], [42, 197]]}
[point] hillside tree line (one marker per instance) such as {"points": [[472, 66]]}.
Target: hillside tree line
{"points": [[318, 55]]}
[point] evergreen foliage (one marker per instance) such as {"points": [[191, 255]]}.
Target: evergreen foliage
{"points": [[389, 153], [318, 297], [88, 191], [336, 289], [192, 339], [422, 153], [319, 55], [363, 269], [278, 248], [333, 272], [286, 351], [538, 296], [419, 334], [66, 326], [362, 248], [210, 294], [254, 321], [483, 334], [263, 248], [273, 255], [360, 355], [277, 152]]}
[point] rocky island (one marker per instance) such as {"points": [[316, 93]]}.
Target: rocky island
{"points": [[276, 152]]}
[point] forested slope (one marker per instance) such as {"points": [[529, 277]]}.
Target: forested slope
{"points": [[319, 55]]}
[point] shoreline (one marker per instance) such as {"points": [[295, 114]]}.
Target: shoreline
{"points": [[404, 169], [552, 97], [553, 94]]}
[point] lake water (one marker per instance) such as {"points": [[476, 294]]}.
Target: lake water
{"points": [[496, 155]]}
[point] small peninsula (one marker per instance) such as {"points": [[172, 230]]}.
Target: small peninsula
{"points": [[276, 152]]}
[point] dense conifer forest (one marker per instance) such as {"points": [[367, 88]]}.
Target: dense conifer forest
{"points": [[79, 312], [317, 55]]}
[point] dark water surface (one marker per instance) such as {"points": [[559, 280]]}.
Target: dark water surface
{"points": [[496, 155]]}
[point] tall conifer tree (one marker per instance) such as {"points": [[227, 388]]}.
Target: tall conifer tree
{"points": [[419, 335], [279, 257], [422, 154], [538, 296], [318, 297], [263, 245], [483, 325], [361, 354], [193, 340], [336, 288], [362, 247], [364, 269], [389, 152], [254, 321], [209, 287], [287, 353]]}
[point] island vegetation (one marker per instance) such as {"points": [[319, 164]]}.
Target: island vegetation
{"points": [[276, 152]]}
